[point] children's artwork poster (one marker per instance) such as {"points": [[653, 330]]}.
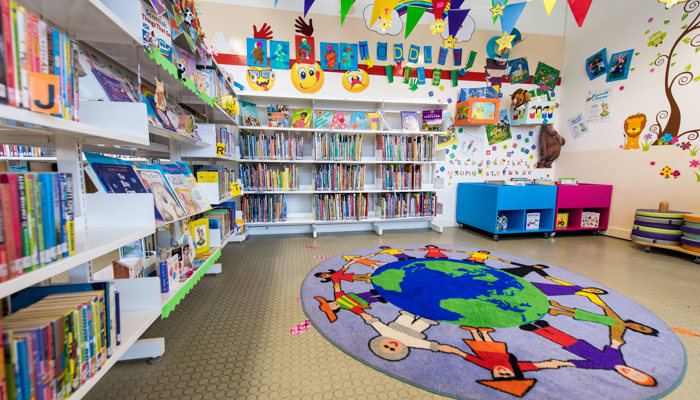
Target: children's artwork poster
{"points": [[304, 46], [519, 70], [546, 75], [329, 56], [156, 32], [448, 139], [349, 56], [500, 132], [279, 54], [619, 66], [256, 54], [598, 105], [471, 143], [577, 125], [597, 64]]}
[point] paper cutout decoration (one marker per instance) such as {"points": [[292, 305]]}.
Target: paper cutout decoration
{"points": [[349, 56], [511, 14], [359, 121], [413, 15], [159, 96], [437, 75], [279, 54], [472, 58], [356, 81], [307, 6], [260, 78], [257, 52], [329, 56], [380, 8], [455, 4], [323, 119], [339, 121], [549, 4], [442, 56], [669, 4], [389, 73], [427, 54], [454, 20], [580, 9], [304, 46], [413, 53], [44, 92], [421, 75], [398, 52], [438, 26], [454, 77], [307, 78], [449, 42], [505, 42], [519, 70], [546, 75], [439, 8], [373, 120], [597, 64], [364, 50], [382, 51], [407, 74], [495, 72], [457, 55], [619, 65], [345, 6], [497, 7]]}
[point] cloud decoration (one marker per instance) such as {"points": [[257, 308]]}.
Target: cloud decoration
{"points": [[464, 34], [393, 30]]}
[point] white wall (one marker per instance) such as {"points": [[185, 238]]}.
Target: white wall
{"points": [[597, 156]]}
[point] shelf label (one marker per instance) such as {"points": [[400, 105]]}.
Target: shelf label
{"points": [[220, 149], [235, 189], [44, 92], [207, 177]]}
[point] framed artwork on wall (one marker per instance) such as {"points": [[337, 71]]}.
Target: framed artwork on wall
{"points": [[483, 111], [619, 65], [597, 64]]}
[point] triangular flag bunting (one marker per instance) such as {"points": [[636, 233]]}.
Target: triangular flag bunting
{"points": [[454, 20], [276, 2], [413, 15], [307, 6], [549, 4], [580, 9], [510, 16], [345, 6], [381, 7], [455, 4], [439, 8]]}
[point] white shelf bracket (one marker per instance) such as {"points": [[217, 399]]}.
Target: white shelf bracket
{"points": [[436, 227], [377, 229], [314, 233], [145, 348]]}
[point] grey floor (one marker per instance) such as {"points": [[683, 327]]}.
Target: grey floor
{"points": [[230, 339]]}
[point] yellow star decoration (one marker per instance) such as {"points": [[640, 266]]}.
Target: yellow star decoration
{"points": [[671, 3], [505, 42], [449, 43], [385, 23], [438, 26], [498, 10]]}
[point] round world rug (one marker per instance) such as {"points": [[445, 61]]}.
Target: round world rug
{"points": [[471, 324]]}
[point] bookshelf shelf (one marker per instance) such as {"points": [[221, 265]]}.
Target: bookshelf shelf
{"points": [[28, 158], [290, 192], [342, 131], [164, 133], [311, 221], [310, 161]]}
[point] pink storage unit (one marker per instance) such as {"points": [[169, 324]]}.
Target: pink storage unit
{"points": [[584, 197]]}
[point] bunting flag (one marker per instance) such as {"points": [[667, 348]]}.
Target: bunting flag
{"points": [[580, 9], [398, 52], [549, 4], [454, 21], [413, 15], [437, 75], [381, 7], [307, 6], [442, 56], [457, 55], [439, 8], [420, 72], [455, 4], [511, 14], [345, 6], [407, 74], [413, 53], [276, 2], [382, 51]]}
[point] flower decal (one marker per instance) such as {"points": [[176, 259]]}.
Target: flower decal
{"points": [[694, 163], [666, 172]]}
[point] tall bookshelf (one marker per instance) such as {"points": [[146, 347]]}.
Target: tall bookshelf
{"points": [[105, 222], [333, 180]]}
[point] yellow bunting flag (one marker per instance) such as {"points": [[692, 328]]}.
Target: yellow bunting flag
{"points": [[549, 4], [381, 7]]}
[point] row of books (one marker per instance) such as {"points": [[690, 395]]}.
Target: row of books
{"points": [[400, 177], [339, 177], [431, 121], [36, 53], [271, 146], [37, 221], [225, 142], [218, 174], [175, 191], [264, 208], [267, 177], [341, 206], [281, 116], [403, 205], [405, 148], [7, 150], [57, 338], [337, 147]]}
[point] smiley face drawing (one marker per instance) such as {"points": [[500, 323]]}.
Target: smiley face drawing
{"points": [[260, 78], [307, 78], [355, 81]]}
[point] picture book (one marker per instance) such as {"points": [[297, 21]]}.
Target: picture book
{"points": [[182, 192], [532, 221], [156, 115], [278, 115], [167, 207], [128, 268], [115, 84], [590, 219], [180, 174], [184, 59], [200, 234], [118, 178], [323, 119], [562, 220], [500, 132], [519, 70], [249, 112], [339, 121], [301, 118], [432, 121], [502, 222], [462, 113], [409, 121], [546, 75], [487, 92], [156, 32]]}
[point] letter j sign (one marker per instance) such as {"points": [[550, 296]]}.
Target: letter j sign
{"points": [[44, 89]]}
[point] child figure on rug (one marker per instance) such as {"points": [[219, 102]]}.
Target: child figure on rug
{"points": [[354, 302]]}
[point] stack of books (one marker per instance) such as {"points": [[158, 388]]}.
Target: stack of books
{"points": [[339, 177], [264, 208], [340, 206], [402, 205], [262, 177]]}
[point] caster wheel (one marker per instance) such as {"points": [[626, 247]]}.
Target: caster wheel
{"points": [[461, 225], [546, 235], [154, 360], [697, 260], [647, 249], [495, 238], [552, 234]]}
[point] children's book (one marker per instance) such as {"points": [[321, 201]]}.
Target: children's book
{"points": [[590, 219], [167, 207], [562, 220], [339, 121], [278, 115], [156, 32], [128, 268], [249, 112], [200, 234], [323, 119], [532, 221], [432, 121], [301, 118], [502, 222], [188, 189], [118, 178], [409, 121]]}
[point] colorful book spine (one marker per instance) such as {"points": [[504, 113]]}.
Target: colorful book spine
{"points": [[7, 29], [47, 209], [23, 55], [67, 70], [56, 62], [31, 220]]}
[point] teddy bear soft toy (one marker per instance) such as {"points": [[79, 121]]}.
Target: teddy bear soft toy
{"points": [[550, 146], [520, 96]]}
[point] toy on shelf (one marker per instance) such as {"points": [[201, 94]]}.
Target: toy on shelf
{"points": [[673, 230], [550, 146]]}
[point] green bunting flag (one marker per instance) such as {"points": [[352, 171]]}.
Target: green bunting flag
{"points": [[345, 6], [413, 15], [389, 73]]}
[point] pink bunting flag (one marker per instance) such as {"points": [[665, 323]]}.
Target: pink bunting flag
{"points": [[439, 8], [580, 9], [307, 6], [454, 20]]}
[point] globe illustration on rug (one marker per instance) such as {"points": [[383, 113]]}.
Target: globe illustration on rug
{"points": [[471, 324]]}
